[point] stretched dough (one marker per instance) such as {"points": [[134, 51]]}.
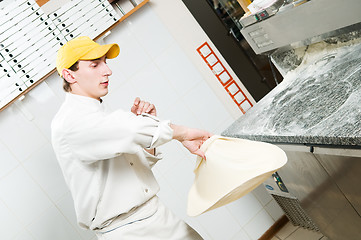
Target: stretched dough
{"points": [[233, 168]]}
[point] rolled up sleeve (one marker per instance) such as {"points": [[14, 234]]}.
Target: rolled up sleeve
{"points": [[102, 136]]}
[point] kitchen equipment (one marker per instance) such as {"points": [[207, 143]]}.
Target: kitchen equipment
{"points": [[293, 25], [262, 14], [317, 189], [289, 203]]}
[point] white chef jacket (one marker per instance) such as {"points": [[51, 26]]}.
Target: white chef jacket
{"points": [[103, 160]]}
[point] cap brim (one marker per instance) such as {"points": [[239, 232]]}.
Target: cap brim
{"points": [[110, 50]]}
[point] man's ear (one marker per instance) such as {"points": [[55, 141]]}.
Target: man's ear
{"points": [[68, 75]]}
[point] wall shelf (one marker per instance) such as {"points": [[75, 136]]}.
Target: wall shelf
{"points": [[67, 37]]}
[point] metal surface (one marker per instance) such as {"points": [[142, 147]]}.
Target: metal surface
{"points": [[319, 194], [310, 22], [289, 203], [264, 14], [344, 166], [295, 213]]}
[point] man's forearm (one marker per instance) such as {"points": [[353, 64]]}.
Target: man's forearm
{"points": [[179, 132]]}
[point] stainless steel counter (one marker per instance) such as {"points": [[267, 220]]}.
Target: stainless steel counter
{"points": [[322, 190], [315, 116]]}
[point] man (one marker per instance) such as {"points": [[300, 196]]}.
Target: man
{"points": [[106, 157]]}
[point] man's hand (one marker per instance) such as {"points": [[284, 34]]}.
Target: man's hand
{"points": [[191, 138], [140, 106]]}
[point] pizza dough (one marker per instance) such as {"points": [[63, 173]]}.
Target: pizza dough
{"points": [[233, 168]]}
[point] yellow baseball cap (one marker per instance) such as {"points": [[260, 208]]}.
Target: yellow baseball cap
{"points": [[83, 48]]}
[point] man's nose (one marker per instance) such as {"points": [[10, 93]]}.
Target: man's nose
{"points": [[107, 70]]}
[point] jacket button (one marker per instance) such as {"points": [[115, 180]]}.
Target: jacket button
{"points": [[131, 164]]}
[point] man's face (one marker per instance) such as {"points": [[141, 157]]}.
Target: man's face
{"points": [[92, 77]]}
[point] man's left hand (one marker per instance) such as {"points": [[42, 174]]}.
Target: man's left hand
{"points": [[140, 106]]}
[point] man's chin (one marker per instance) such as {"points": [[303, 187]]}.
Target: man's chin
{"points": [[104, 93]]}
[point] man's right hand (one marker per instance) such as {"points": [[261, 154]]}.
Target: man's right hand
{"points": [[140, 106], [191, 138]]}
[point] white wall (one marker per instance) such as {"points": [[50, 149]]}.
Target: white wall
{"points": [[159, 63]]}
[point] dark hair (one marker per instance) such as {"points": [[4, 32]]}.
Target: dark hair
{"points": [[66, 84]]}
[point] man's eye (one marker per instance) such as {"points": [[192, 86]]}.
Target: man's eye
{"points": [[94, 65]]}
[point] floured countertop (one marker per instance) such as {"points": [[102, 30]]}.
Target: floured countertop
{"points": [[317, 103]]}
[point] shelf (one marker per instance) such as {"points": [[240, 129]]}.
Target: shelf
{"points": [[40, 3]]}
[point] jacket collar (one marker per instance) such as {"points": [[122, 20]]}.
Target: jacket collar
{"points": [[87, 102]]}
